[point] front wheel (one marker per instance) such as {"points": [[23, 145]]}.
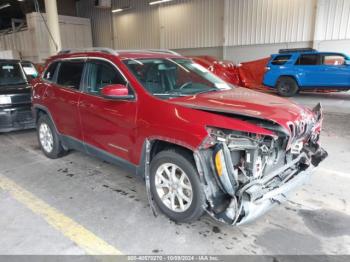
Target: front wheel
{"points": [[176, 187], [48, 138], [286, 86]]}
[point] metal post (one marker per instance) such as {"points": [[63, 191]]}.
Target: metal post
{"points": [[53, 25]]}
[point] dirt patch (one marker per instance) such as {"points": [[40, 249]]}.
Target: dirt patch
{"points": [[328, 223], [216, 230], [284, 241]]}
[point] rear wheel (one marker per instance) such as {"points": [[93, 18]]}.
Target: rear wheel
{"points": [[176, 187], [287, 86], [48, 138]]}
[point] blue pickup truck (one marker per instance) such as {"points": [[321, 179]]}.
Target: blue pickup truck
{"points": [[293, 70]]}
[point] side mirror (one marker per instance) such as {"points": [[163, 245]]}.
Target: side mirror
{"points": [[117, 92]]}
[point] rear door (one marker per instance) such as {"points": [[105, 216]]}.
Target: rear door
{"points": [[107, 124], [309, 70], [62, 96]]}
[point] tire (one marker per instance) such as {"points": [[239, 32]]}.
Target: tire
{"points": [[286, 86], [181, 161], [48, 138]]}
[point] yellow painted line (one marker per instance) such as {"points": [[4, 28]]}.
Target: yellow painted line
{"points": [[68, 227]]}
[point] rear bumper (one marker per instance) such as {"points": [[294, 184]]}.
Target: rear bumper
{"points": [[16, 118]]}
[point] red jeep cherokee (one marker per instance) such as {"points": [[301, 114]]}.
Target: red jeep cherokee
{"points": [[199, 143]]}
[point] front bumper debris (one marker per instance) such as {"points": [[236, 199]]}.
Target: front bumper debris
{"points": [[257, 197], [262, 195], [245, 175]]}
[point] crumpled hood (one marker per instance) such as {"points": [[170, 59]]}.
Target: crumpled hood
{"points": [[245, 102]]}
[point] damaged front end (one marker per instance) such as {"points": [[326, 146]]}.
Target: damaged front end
{"points": [[246, 174]]}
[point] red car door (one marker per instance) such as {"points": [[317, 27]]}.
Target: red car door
{"points": [[62, 96], [107, 124]]}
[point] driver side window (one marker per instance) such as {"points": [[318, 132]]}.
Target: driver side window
{"points": [[100, 74]]}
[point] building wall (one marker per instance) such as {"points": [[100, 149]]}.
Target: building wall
{"points": [[217, 51], [245, 53], [137, 28], [32, 43], [333, 20], [21, 43], [258, 28], [251, 22], [75, 33], [101, 22], [332, 26], [238, 30], [191, 24], [173, 25]]}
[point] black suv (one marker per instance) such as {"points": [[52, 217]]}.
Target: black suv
{"points": [[15, 95]]}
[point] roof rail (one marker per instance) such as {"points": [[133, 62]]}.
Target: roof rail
{"points": [[91, 49], [296, 50], [115, 52], [164, 51], [167, 51]]}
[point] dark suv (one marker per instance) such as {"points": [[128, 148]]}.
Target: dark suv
{"points": [[200, 143], [15, 95]]}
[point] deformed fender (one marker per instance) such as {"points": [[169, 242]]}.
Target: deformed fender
{"points": [[144, 168], [147, 157]]}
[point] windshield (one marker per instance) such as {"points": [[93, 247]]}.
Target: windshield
{"points": [[11, 74], [168, 78]]}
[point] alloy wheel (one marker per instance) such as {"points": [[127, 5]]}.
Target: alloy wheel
{"points": [[46, 137], [173, 187]]}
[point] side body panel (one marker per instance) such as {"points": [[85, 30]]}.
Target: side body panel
{"points": [[276, 71], [108, 124], [338, 76], [63, 105]]}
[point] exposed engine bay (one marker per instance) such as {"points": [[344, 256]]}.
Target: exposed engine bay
{"points": [[246, 174]]}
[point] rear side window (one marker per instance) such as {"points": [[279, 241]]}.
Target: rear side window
{"points": [[308, 59], [281, 59], [50, 72], [70, 73]]}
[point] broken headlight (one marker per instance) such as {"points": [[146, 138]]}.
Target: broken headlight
{"points": [[239, 157]]}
